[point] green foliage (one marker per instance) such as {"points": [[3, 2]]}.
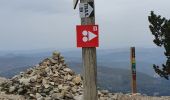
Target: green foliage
{"points": [[160, 28]]}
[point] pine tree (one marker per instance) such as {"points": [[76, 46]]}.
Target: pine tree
{"points": [[160, 28]]}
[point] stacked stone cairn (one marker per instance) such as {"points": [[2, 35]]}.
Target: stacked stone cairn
{"points": [[51, 79]]}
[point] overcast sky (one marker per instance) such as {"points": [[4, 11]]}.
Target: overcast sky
{"points": [[37, 24]]}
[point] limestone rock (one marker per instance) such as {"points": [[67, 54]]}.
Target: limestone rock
{"points": [[77, 79], [12, 89]]}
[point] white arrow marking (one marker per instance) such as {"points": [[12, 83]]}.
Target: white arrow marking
{"points": [[90, 10], [91, 36]]}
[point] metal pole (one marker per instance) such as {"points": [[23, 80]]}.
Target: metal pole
{"points": [[89, 63], [133, 69]]}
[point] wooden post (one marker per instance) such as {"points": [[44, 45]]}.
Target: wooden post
{"points": [[89, 64], [133, 69]]}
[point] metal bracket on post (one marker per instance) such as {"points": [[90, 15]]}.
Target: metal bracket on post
{"points": [[75, 2]]}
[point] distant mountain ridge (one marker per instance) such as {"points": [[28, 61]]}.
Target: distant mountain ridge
{"points": [[113, 68]]}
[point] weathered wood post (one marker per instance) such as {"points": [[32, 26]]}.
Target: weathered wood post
{"points": [[133, 70], [89, 64], [89, 60]]}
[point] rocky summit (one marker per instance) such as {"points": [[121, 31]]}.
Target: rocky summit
{"points": [[52, 79]]}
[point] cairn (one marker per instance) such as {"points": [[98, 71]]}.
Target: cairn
{"points": [[51, 79]]}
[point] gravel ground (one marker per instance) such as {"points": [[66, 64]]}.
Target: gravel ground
{"points": [[117, 96]]}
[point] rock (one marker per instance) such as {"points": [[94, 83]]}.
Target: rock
{"points": [[57, 96], [103, 98], [69, 77], [25, 81], [77, 79], [56, 74], [67, 70], [12, 89], [55, 90], [32, 96], [33, 79], [66, 88], [44, 81], [53, 61], [20, 90], [105, 92], [51, 83], [115, 96], [48, 98], [60, 87], [38, 96], [69, 95], [79, 97], [56, 53], [46, 86]]}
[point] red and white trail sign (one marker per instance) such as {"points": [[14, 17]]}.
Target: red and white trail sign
{"points": [[87, 36]]}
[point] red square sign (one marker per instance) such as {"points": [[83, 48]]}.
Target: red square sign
{"points": [[87, 36]]}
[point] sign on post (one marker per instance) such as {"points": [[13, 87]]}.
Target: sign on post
{"points": [[87, 36], [86, 9]]}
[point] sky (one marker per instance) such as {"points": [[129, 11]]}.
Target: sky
{"points": [[39, 24]]}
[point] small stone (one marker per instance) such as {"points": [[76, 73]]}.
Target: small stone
{"points": [[56, 74], [51, 83], [57, 96], [69, 95], [12, 89], [56, 90], [25, 81], [105, 92], [32, 95], [60, 87], [38, 95], [32, 80], [115, 96], [77, 79], [20, 90], [66, 88], [48, 98], [103, 98], [46, 86], [56, 55], [79, 97], [67, 70], [69, 77], [53, 61], [44, 81]]}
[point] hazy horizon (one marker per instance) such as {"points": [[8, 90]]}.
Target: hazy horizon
{"points": [[78, 49]]}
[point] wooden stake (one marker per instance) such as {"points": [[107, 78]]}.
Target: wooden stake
{"points": [[133, 69], [89, 64]]}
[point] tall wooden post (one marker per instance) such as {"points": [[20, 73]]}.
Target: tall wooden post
{"points": [[133, 69], [89, 63]]}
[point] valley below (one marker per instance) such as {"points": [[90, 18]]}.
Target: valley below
{"points": [[113, 73]]}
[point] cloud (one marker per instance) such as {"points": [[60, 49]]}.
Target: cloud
{"points": [[31, 24], [36, 6]]}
